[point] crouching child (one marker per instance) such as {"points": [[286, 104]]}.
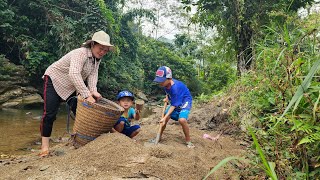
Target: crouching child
{"points": [[123, 125]]}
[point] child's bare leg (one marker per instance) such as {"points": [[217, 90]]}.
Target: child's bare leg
{"points": [[113, 130], [119, 127], [135, 133], [185, 128]]}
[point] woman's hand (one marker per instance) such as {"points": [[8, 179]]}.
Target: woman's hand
{"points": [[96, 95], [91, 99]]}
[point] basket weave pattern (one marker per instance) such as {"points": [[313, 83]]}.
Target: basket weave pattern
{"points": [[94, 119]]}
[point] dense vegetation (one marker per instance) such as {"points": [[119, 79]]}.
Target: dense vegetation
{"points": [[274, 52], [277, 55], [37, 33]]}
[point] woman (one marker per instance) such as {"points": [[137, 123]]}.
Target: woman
{"points": [[66, 77]]}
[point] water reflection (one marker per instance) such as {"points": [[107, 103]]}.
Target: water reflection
{"points": [[20, 129]]}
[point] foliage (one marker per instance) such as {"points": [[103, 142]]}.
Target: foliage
{"points": [[41, 32], [268, 167], [239, 22], [220, 164], [302, 89], [6, 69], [154, 54], [7, 18], [213, 70], [287, 64]]}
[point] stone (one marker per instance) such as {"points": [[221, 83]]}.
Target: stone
{"points": [[43, 168], [23, 101], [142, 96], [15, 89]]}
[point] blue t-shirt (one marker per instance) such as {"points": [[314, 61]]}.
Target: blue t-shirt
{"points": [[179, 95], [130, 116]]}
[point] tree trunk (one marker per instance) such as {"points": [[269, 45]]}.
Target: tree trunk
{"points": [[244, 49]]}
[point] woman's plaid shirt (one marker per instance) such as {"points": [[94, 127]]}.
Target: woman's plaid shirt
{"points": [[69, 73]]}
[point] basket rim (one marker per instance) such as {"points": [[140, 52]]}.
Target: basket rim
{"points": [[116, 107]]}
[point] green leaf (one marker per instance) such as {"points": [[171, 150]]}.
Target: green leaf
{"points": [[310, 139], [220, 164], [315, 107], [272, 166], [267, 169], [304, 140], [303, 87]]}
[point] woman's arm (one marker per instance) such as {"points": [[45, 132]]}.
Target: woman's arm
{"points": [[77, 61], [93, 80]]}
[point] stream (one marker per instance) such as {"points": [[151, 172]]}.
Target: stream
{"points": [[20, 129]]}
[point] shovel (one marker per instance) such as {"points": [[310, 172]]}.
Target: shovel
{"points": [[161, 124]]}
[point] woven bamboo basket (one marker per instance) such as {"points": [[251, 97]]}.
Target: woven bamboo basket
{"points": [[94, 119]]}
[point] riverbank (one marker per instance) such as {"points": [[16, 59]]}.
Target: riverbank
{"points": [[114, 156]]}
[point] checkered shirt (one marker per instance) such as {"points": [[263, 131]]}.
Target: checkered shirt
{"points": [[69, 73]]}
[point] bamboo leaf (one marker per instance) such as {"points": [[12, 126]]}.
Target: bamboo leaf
{"points": [[268, 170], [303, 87], [315, 107], [297, 103], [221, 163], [272, 166]]}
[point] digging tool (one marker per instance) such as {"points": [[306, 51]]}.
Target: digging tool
{"points": [[161, 124]]}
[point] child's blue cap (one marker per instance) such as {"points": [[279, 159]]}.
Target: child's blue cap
{"points": [[125, 94], [162, 74]]}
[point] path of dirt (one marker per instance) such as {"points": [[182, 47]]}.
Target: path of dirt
{"points": [[114, 156]]}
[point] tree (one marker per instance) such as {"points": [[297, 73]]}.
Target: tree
{"points": [[35, 33], [239, 21]]}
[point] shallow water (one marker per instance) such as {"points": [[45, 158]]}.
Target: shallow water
{"points": [[20, 129]]}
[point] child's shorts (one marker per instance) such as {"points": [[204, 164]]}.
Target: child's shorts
{"points": [[130, 130], [127, 129], [176, 115]]}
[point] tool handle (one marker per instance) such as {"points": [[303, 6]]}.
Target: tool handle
{"points": [[161, 124], [164, 109], [162, 115]]}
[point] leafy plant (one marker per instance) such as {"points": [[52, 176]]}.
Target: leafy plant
{"points": [[267, 167]]}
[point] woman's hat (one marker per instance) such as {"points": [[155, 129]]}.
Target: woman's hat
{"points": [[100, 37]]}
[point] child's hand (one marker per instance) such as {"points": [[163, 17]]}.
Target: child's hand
{"points": [[166, 99], [137, 111], [137, 114], [163, 120]]}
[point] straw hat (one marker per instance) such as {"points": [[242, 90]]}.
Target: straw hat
{"points": [[100, 37]]}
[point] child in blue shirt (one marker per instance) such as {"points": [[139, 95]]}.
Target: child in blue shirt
{"points": [[180, 101], [123, 125]]}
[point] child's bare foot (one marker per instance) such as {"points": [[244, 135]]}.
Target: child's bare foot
{"points": [[190, 145]]}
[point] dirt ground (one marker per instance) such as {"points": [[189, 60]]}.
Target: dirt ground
{"points": [[115, 156]]}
